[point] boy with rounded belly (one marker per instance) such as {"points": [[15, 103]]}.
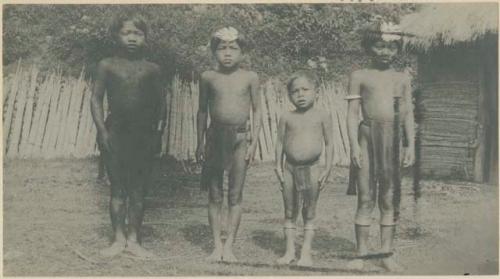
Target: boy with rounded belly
{"points": [[301, 136]]}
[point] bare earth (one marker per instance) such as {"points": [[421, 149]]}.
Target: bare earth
{"points": [[56, 220]]}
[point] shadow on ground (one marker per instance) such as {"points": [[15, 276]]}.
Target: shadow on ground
{"points": [[198, 235]]}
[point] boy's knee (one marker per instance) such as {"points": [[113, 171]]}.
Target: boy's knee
{"points": [[289, 214], [365, 202], [365, 208], [215, 197], [309, 211], [234, 198], [117, 201], [386, 203]]}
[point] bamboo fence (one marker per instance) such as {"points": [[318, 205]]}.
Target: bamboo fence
{"points": [[48, 116]]}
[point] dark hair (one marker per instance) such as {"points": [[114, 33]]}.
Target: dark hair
{"points": [[310, 76], [373, 34], [117, 24], [241, 41]]}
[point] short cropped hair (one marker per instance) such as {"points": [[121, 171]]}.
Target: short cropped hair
{"points": [[241, 41], [310, 76], [118, 22]]}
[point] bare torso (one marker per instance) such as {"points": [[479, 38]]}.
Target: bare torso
{"points": [[131, 90], [378, 89], [229, 98], [303, 138]]}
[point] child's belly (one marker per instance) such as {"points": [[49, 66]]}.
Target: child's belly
{"points": [[303, 149], [230, 114], [379, 109]]}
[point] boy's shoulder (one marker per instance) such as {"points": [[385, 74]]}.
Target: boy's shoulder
{"points": [[208, 75], [321, 113], [249, 74], [153, 66], [106, 63], [286, 115]]}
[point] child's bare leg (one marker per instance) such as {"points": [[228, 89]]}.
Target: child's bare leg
{"points": [[117, 213], [387, 228], [101, 175], [236, 181], [290, 200], [135, 217], [308, 214], [366, 204], [214, 213]]}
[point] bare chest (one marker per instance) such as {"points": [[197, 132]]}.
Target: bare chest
{"points": [[304, 124], [130, 73], [382, 86], [229, 86]]}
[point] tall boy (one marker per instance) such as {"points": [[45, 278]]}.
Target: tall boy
{"points": [[137, 111], [384, 97], [227, 93], [302, 133]]}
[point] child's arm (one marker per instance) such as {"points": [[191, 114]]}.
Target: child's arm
{"points": [[327, 126], [202, 117], [96, 105], [257, 116], [409, 123], [354, 99], [279, 152]]}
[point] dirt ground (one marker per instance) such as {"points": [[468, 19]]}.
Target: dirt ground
{"points": [[56, 220]]}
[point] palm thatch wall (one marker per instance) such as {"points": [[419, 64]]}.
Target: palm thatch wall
{"points": [[447, 24], [458, 84]]}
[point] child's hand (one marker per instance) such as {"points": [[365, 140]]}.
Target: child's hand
{"points": [[356, 157], [409, 158], [200, 154], [250, 153], [323, 178], [281, 178], [104, 141]]}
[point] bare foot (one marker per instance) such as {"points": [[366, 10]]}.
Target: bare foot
{"points": [[216, 256], [286, 259], [391, 265], [116, 248], [137, 250], [228, 255], [305, 260], [356, 264]]}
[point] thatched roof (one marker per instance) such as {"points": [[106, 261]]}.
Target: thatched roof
{"points": [[449, 23]]}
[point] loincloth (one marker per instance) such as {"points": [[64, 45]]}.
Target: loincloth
{"points": [[383, 160], [303, 175], [221, 143], [132, 148]]}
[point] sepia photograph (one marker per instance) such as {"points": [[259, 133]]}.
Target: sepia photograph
{"points": [[250, 139]]}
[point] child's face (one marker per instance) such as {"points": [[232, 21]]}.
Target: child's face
{"points": [[384, 51], [130, 37], [302, 93], [228, 54]]}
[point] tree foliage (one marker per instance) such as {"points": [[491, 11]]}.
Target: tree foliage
{"points": [[284, 37]]}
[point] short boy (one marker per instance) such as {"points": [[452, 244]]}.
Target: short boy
{"points": [[137, 111], [228, 93], [384, 97], [301, 136]]}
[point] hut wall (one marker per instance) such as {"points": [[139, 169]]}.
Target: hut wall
{"points": [[448, 109]]}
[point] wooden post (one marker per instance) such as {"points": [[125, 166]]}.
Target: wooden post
{"points": [[9, 108], [55, 92], [28, 115], [20, 104], [480, 152]]}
